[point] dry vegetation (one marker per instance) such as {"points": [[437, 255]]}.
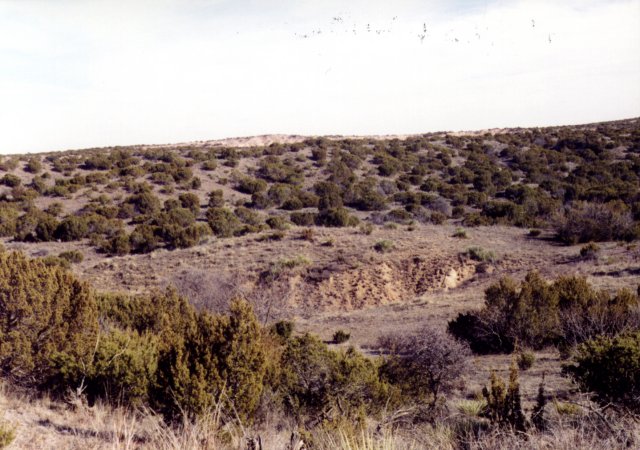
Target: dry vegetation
{"points": [[375, 244]]}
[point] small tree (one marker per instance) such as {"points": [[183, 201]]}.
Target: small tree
{"points": [[44, 313], [424, 364]]}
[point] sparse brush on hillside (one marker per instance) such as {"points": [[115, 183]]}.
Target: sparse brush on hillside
{"points": [[518, 178], [537, 314]]}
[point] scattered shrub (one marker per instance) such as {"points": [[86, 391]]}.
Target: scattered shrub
{"points": [[480, 254], [222, 222], [526, 360], [383, 246], [336, 217], [537, 314], [610, 368], [340, 337], [460, 233], [589, 251], [73, 256], [586, 222]]}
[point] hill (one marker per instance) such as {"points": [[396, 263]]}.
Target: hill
{"points": [[369, 236]]}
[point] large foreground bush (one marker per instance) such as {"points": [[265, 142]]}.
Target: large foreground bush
{"points": [[610, 368], [537, 314], [45, 314]]}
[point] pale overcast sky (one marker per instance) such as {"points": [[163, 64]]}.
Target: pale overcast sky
{"points": [[77, 74]]}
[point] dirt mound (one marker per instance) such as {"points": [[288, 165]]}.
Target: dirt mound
{"points": [[379, 284]]}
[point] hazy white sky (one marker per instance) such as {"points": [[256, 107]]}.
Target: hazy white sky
{"points": [[87, 73]]}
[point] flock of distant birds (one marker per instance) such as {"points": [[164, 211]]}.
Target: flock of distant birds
{"points": [[339, 20]]}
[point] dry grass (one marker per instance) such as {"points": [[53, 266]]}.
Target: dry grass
{"points": [[44, 424]]}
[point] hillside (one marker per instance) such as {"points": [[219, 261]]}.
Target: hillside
{"points": [[366, 235]]}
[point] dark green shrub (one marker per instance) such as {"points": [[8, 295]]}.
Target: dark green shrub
{"points": [[36, 226], [336, 217], [337, 385], [73, 256], [277, 223], [11, 180], [191, 202], [222, 222], [383, 246], [209, 165], [504, 406], [248, 216], [8, 219], [537, 314], [303, 219], [610, 369], [216, 199], [480, 254], [214, 358], [33, 165], [284, 328], [340, 337], [117, 245], [249, 185], [144, 239], [586, 222], [329, 195], [526, 360], [589, 251], [144, 203], [45, 313], [72, 228]]}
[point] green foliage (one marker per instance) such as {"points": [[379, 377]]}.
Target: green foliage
{"points": [[480, 254], [504, 406], [589, 251], [45, 313], [33, 165], [72, 228], [117, 245], [324, 384], [526, 360], [73, 256], [303, 219], [537, 314], [215, 359], [190, 201], [284, 328], [250, 185], [144, 203], [538, 417], [222, 222], [7, 434], [460, 233], [216, 199], [586, 222], [8, 219], [384, 246], [277, 223], [336, 217], [143, 239], [340, 337], [610, 369], [11, 180], [36, 226]]}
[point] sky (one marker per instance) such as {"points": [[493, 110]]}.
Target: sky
{"points": [[78, 74]]}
